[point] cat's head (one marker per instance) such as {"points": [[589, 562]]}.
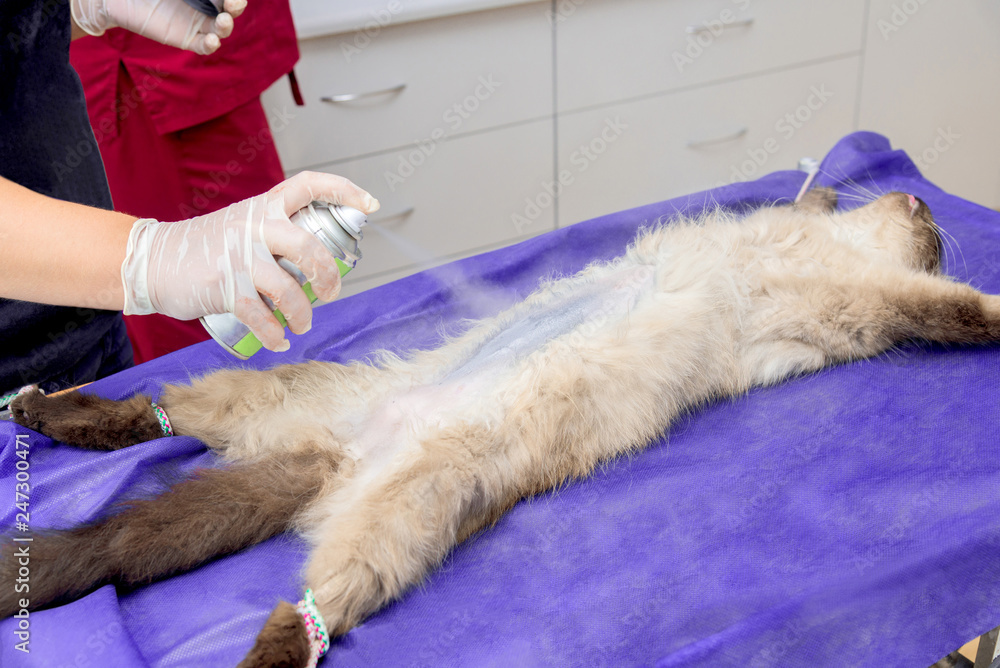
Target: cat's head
{"points": [[892, 229], [896, 227]]}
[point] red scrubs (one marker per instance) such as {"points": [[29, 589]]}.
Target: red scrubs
{"points": [[183, 134]]}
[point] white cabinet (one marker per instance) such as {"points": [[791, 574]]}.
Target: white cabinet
{"points": [[417, 83], [487, 121], [706, 92], [673, 144], [932, 85]]}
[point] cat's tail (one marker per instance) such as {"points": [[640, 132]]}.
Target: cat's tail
{"points": [[216, 512]]}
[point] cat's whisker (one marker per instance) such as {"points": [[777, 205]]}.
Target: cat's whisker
{"points": [[854, 197], [869, 194], [946, 245], [848, 191], [875, 188], [951, 242], [848, 182]]}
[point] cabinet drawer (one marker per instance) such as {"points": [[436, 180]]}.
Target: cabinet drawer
{"points": [[644, 45], [460, 198], [444, 77], [679, 143]]}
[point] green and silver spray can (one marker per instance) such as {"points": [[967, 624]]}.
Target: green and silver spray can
{"points": [[339, 230]]}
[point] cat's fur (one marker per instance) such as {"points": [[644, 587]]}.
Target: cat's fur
{"points": [[385, 467]]}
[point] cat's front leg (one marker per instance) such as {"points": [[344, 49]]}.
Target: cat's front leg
{"points": [[848, 320], [87, 420], [937, 309]]}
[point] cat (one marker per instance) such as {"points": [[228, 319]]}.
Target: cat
{"points": [[385, 467]]}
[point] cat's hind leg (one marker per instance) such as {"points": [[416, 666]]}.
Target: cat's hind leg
{"points": [[216, 512], [378, 539]]}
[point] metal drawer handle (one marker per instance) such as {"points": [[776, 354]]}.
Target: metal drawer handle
{"points": [[397, 217], [350, 97], [698, 143], [697, 30]]}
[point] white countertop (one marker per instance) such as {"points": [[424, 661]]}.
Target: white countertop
{"points": [[314, 18]]}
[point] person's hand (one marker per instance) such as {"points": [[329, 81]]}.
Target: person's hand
{"points": [[172, 22], [219, 262]]}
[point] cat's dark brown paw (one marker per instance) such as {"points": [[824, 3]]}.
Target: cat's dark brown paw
{"points": [[86, 420], [282, 643], [24, 410]]}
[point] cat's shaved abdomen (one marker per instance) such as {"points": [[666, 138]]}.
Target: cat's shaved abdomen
{"points": [[582, 305]]}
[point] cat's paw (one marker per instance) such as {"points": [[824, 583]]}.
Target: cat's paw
{"points": [[282, 643], [87, 420], [27, 410]]}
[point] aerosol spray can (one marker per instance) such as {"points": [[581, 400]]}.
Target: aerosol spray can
{"points": [[210, 8], [339, 229]]}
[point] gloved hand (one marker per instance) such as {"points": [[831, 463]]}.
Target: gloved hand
{"points": [[219, 262], [170, 22]]}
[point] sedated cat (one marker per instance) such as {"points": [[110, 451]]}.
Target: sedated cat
{"points": [[385, 467]]}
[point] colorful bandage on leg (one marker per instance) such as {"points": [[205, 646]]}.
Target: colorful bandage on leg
{"points": [[7, 398], [161, 417], [319, 641]]}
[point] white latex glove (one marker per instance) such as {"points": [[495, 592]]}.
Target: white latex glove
{"points": [[170, 22], [219, 262]]}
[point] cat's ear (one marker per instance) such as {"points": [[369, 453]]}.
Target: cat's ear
{"points": [[818, 200]]}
